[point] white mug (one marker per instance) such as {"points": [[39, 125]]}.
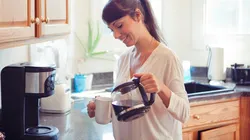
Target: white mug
{"points": [[103, 109]]}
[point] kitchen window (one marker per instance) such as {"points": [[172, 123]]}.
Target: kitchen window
{"points": [[227, 17], [220, 22]]}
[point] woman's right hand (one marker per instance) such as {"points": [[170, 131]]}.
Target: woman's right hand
{"points": [[91, 109]]}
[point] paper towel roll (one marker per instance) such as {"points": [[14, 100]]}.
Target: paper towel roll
{"points": [[216, 70]]}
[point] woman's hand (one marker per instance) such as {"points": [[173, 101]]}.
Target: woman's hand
{"points": [[91, 109], [150, 83]]}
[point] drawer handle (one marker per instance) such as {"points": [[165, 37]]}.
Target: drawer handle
{"points": [[45, 20], [35, 21], [197, 117]]}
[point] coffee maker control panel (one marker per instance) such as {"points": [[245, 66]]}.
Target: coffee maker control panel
{"points": [[50, 85]]}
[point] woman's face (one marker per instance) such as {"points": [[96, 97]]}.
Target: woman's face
{"points": [[126, 29]]}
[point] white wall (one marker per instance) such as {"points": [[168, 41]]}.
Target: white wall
{"points": [[10, 56], [13, 55], [177, 29]]}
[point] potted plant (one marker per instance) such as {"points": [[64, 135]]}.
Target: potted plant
{"points": [[89, 48], [94, 37]]}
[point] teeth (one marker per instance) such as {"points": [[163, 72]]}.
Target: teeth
{"points": [[124, 39]]}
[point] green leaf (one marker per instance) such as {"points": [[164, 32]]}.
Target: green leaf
{"points": [[97, 39], [90, 37], [99, 53], [80, 41], [93, 40]]}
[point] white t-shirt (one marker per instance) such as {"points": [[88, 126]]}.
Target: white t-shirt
{"points": [[160, 123]]}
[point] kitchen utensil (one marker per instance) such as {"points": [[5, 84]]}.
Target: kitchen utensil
{"points": [[216, 70], [240, 74], [130, 100]]}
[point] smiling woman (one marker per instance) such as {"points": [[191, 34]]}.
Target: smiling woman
{"points": [[135, 9], [158, 68]]}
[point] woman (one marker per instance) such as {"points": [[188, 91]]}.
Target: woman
{"points": [[159, 69]]}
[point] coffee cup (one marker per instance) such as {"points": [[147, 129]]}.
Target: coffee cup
{"points": [[103, 109]]}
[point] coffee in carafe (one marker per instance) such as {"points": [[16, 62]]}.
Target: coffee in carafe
{"points": [[130, 100]]}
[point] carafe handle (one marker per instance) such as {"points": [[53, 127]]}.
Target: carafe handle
{"points": [[143, 93]]}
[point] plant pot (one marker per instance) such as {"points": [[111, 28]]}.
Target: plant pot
{"points": [[88, 82]]}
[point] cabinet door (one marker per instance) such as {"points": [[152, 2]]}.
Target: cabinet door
{"points": [[230, 132], [15, 20], [55, 17], [245, 118], [190, 136]]}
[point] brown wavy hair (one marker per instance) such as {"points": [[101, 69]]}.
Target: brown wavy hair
{"points": [[116, 9]]}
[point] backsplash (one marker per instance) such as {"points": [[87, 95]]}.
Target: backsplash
{"points": [[202, 72], [102, 80], [11, 56]]}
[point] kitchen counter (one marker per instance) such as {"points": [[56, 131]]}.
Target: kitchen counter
{"points": [[238, 91], [76, 125]]}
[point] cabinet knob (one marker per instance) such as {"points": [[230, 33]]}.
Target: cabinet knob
{"points": [[36, 20], [197, 117], [45, 20]]}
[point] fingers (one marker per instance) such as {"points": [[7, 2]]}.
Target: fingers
{"points": [[91, 113], [91, 109], [149, 82], [148, 79], [138, 74], [91, 105], [151, 88]]}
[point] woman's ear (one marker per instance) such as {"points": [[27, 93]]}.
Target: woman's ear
{"points": [[138, 15]]}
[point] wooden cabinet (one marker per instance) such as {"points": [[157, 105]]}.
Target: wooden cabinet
{"points": [[189, 136], [214, 113], [54, 16], [15, 20], [245, 118], [213, 120], [230, 132], [24, 20]]}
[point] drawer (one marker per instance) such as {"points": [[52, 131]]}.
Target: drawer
{"points": [[213, 113]]}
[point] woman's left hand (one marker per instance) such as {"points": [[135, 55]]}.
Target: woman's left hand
{"points": [[150, 83]]}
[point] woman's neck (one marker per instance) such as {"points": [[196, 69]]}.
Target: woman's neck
{"points": [[146, 45]]}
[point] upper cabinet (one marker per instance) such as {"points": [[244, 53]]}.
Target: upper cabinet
{"points": [[17, 20], [30, 21], [54, 17]]}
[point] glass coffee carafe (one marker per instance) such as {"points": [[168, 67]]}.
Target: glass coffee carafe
{"points": [[130, 100]]}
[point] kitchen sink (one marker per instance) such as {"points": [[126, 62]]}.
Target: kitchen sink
{"points": [[197, 89]]}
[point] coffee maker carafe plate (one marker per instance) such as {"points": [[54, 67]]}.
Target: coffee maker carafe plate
{"points": [[39, 130], [42, 132]]}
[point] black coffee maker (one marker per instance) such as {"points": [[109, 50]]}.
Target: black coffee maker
{"points": [[23, 85]]}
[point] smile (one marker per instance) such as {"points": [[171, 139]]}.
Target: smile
{"points": [[124, 39]]}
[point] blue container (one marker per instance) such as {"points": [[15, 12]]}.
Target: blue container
{"points": [[79, 83]]}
